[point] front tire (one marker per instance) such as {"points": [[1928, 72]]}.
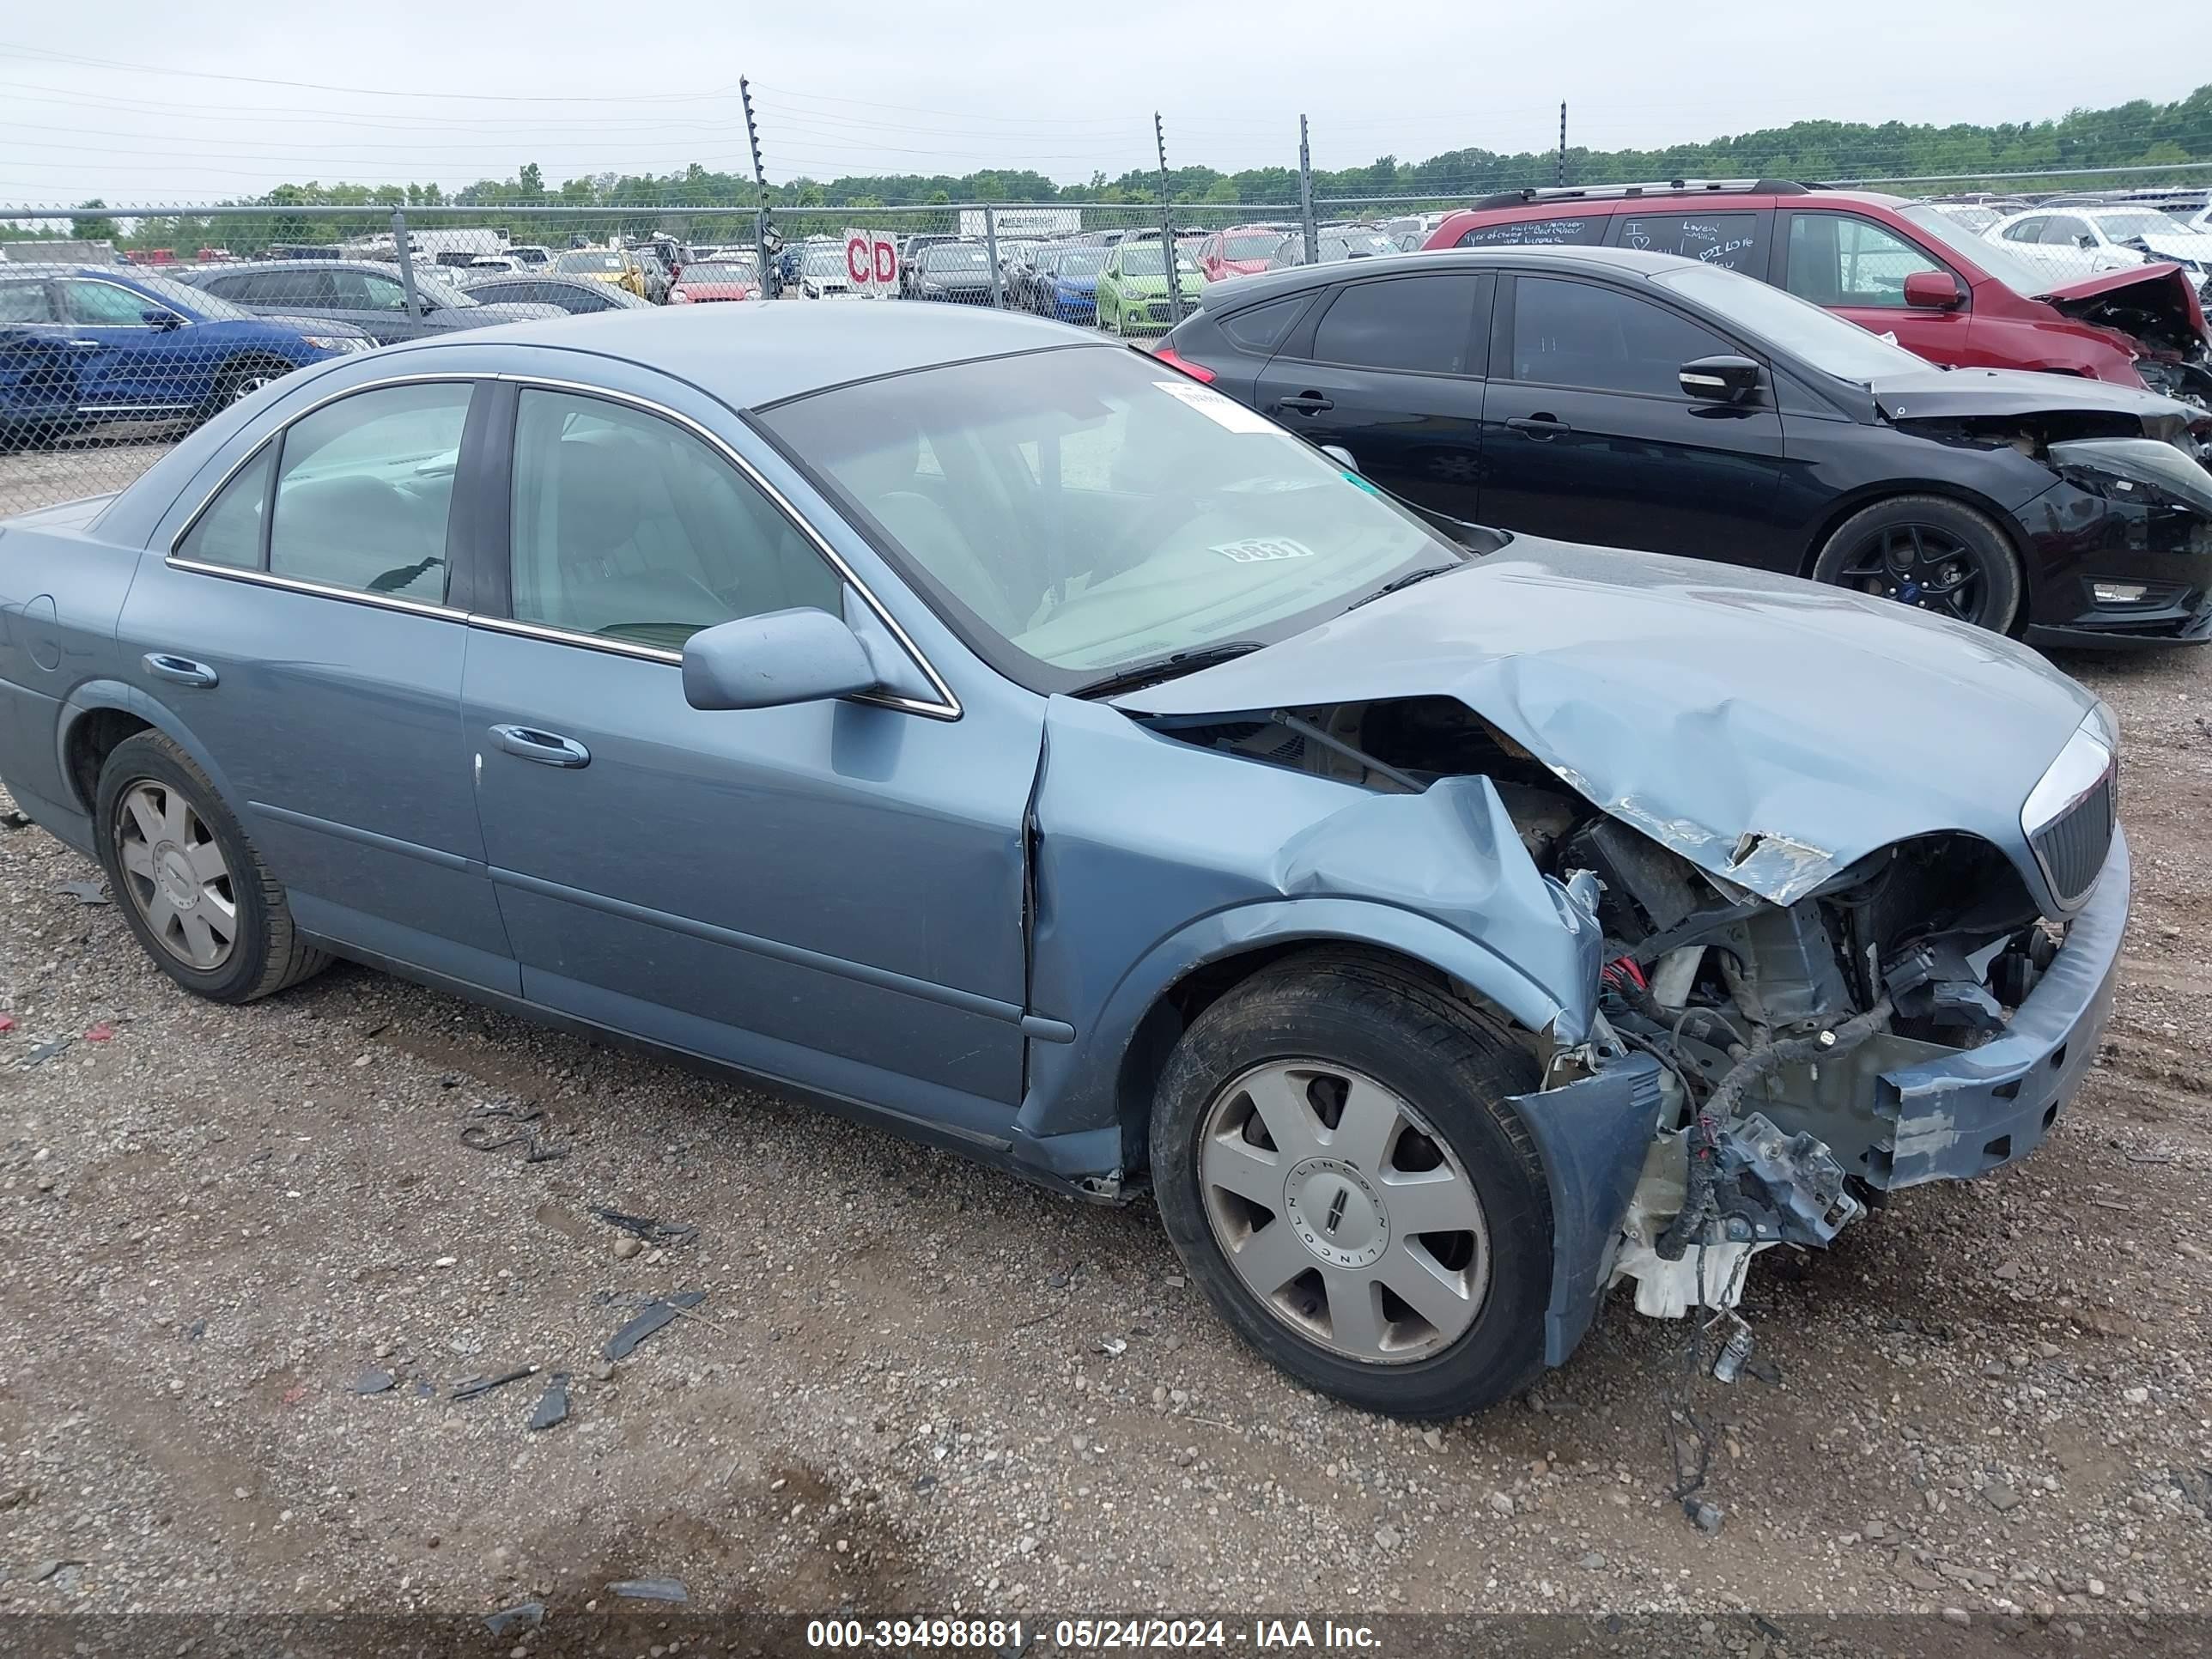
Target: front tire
{"points": [[191, 886], [1929, 552], [1336, 1163], [239, 381]]}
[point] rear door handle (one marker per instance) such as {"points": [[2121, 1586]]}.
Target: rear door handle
{"points": [[183, 670], [1306, 402], [546, 748], [1539, 426]]}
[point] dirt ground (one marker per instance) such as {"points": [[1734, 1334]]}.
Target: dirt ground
{"points": [[916, 1386]]}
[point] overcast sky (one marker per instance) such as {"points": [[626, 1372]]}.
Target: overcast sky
{"points": [[458, 91]]}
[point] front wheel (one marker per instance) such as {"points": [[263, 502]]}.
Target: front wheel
{"points": [[1108, 324], [1929, 552], [1336, 1162], [239, 381], [189, 883]]}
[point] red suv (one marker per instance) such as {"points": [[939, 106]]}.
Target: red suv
{"points": [[1897, 267]]}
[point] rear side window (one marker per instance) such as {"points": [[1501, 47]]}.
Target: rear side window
{"points": [[25, 303], [364, 488], [229, 531], [1262, 328], [1728, 239], [1579, 334], [1425, 324], [1579, 232]]}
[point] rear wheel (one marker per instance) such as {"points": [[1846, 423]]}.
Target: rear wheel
{"points": [[191, 885], [1336, 1163], [1929, 552]]}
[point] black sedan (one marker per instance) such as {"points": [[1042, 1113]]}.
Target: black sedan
{"points": [[575, 294], [959, 272], [1641, 400]]}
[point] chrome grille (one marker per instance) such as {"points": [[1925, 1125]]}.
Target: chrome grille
{"points": [[2071, 848]]}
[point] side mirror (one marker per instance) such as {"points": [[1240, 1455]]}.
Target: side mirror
{"points": [[1721, 379], [2085, 241], [1933, 290], [771, 660]]}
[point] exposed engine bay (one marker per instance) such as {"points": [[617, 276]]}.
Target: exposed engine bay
{"points": [[1773, 1024]]}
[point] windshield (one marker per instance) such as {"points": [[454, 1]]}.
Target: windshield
{"points": [[1077, 510], [694, 273], [1143, 259], [1079, 262], [1358, 246], [2138, 222], [822, 262], [197, 302], [437, 291], [1258, 245], [2023, 277], [1976, 219], [592, 261], [955, 255], [1798, 327]]}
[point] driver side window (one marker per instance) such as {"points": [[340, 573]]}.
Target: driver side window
{"points": [[628, 527]]}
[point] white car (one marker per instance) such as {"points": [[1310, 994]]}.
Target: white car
{"points": [[2081, 241]]}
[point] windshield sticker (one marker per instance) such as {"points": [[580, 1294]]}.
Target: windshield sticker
{"points": [[1263, 550], [1367, 485], [1233, 416]]}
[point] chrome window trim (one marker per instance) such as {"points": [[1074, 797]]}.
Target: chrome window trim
{"points": [[947, 708], [320, 590]]}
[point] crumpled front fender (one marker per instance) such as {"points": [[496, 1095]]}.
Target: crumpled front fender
{"points": [[1593, 1136]]}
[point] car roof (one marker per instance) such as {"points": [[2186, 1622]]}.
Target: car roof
{"points": [[1606, 200], [753, 355], [1295, 279], [381, 267]]}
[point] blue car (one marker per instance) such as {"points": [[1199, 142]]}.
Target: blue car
{"points": [[1060, 280], [84, 344], [983, 729]]}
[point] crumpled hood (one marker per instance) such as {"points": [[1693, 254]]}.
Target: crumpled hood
{"points": [[1933, 393], [1771, 731]]}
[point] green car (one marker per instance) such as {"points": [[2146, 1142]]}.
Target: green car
{"points": [[1133, 289]]}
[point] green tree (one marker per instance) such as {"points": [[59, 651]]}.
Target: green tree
{"points": [[88, 227]]}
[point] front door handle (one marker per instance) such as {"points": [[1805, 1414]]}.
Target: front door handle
{"points": [[1538, 427], [546, 748], [181, 670], [1306, 402]]}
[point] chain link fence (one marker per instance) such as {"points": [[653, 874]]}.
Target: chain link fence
{"points": [[137, 325]]}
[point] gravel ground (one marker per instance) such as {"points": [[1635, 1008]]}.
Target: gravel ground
{"points": [[913, 1385]]}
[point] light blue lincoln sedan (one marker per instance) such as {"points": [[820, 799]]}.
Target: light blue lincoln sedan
{"points": [[987, 729]]}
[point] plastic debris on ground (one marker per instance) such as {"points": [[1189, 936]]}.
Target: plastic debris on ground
{"points": [[553, 1408], [651, 1319], [651, 1590]]}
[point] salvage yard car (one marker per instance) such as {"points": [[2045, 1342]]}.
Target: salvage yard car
{"points": [[1907, 268], [1643, 400], [990, 732]]}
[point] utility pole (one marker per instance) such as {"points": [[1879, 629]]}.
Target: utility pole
{"points": [[1560, 166], [1305, 197], [1167, 223], [760, 183]]}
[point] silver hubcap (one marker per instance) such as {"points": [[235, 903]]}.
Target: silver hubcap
{"points": [[250, 385], [175, 875], [1342, 1212]]}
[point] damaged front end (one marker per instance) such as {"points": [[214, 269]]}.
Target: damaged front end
{"points": [[1779, 1038]]}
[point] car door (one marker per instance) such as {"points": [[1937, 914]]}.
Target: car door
{"points": [[1587, 435], [2069, 245], [1857, 267], [133, 353], [38, 366], [302, 634], [1391, 369], [830, 892]]}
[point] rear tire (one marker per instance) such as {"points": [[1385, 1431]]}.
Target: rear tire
{"points": [[1426, 1180], [1932, 553], [189, 883]]}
